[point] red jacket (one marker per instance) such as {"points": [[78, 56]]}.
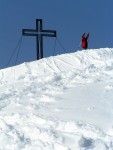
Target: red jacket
{"points": [[84, 41]]}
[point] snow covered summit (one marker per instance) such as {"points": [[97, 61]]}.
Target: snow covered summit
{"points": [[58, 103]]}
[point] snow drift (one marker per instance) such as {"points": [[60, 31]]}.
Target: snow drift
{"points": [[58, 103]]}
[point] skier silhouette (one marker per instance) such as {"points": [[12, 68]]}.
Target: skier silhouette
{"points": [[84, 41]]}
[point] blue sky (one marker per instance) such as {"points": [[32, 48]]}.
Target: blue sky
{"points": [[69, 18]]}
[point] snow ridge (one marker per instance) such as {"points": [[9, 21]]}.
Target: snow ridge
{"points": [[58, 103]]}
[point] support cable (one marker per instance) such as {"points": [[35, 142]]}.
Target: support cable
{"points": [[18, 50], [61, 45], [54, 47], [18, 44]]}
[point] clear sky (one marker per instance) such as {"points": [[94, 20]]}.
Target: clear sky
{"points": [[69, 18]]}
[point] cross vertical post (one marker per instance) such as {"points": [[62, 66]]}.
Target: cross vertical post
{"points": [[39, 33]]}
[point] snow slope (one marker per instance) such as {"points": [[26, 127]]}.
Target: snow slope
{"points": [[58, 103]]}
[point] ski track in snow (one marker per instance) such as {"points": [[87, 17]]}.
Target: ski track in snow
{"points": [[31, 91]]}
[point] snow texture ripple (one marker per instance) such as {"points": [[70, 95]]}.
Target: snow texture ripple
{"points": [[63, 102]]}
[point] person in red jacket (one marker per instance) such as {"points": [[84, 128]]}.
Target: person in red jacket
{"points": [[84, 41]]}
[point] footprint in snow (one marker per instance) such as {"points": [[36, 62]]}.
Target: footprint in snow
{"points": [[86, 143]]}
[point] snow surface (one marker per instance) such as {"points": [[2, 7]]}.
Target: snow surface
{"points": [[58, 103]]}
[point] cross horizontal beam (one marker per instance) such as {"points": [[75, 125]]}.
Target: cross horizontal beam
{"points": [[32, 32]]}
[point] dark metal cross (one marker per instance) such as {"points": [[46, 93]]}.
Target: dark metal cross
{"points": [[39, 33]]}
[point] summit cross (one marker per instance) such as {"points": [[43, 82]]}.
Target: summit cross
{"points": [[39, 33]]}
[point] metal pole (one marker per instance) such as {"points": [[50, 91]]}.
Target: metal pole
{"points": [[41, 46], [37, 48]]}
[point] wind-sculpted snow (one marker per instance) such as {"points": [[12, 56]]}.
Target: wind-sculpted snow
{"points": [[82, 62], [58, 103]]}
